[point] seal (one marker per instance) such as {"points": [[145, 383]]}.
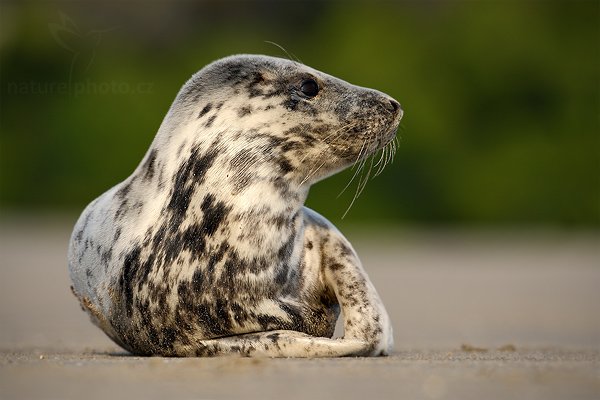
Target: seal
{"points": [[207, 248]]}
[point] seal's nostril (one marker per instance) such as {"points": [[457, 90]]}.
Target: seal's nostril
{"points": [[393, 106]]}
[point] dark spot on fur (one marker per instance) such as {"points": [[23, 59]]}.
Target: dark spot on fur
{"points": [[168, 337], [214, 213], [188, 177], [244, 110], [279, 220], [269, 322], [217, 256], [149, 165], [256, 85], [145, 269], [241, 180], [336, 266], [291, 103], [192, 239], [86, 221], [198, 281], [283, 187], [222, 314], [285, 165], [122, 194], [281, 275], [295, 315], [207, 318], [106, 256], [290, 145], [126, 280], [285, 251], [243, 160], [124, 190], [205, 110], [273, 337], [205, 351], [210, 121], [147, 321], [235, 73], [344, 250], [240, 314], [242, 164]]}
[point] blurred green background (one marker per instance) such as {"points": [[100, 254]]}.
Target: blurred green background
{"points": [[501, 99]]}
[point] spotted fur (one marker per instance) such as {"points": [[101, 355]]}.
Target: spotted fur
{"points": [[207, 248]]}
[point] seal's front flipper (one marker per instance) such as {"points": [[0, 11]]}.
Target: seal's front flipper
{"points": [[365, 319], [281, 343]]}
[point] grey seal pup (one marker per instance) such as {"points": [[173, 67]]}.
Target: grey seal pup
{"points": [[207, 249]]}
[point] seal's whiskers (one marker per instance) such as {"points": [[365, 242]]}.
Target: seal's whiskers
{"points": [[357, 165], [291, 57], [328, 140], [363, 179]]}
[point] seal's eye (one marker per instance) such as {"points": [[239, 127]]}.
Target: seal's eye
{"points": [[309, 88]]}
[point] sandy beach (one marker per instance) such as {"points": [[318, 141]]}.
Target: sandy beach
{"points": [[477, 314]]}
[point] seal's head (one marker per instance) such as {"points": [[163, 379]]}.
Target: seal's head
{"points": [[274, 111]]}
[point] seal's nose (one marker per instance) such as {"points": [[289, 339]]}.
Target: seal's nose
{"points": [[393, 106]]}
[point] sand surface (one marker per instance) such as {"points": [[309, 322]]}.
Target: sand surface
{"points": [[477, 315]]}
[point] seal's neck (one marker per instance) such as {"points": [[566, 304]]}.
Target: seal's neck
{"points": [[233, 176], [265, 221]]}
